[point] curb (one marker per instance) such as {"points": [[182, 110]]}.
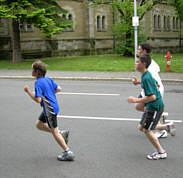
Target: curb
{"points": [[89, 79]]}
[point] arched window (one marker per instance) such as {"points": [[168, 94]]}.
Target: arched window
{"points": [[70, 17], [164, 23], [103, 22], [159, 21], [22, 26], [29, 27], [173, 23], [98, 23], [64, 16], [155, 21], [177, 23], [168, 22]]}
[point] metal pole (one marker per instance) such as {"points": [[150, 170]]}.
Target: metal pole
{"points": [[135, 29]]}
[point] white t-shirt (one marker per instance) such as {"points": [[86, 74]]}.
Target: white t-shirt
{"points": [[154, 69]]}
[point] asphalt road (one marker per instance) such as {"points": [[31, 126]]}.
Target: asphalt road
{"points": [[104, 148]]}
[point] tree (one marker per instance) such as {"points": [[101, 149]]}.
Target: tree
{"points": [[178, 4], [123, 29], [43, 14]]}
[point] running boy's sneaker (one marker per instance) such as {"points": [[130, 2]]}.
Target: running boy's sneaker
{"points": [[161, 134], [171, 128], [65, 135], [164, 117], [66, 156], [157, 155]]}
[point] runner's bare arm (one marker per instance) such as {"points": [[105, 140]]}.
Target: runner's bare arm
{"points": [[29, 92], [145, 99]]}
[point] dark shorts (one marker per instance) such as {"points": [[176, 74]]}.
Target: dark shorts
{"points": [[51, 120], [150, 119]]}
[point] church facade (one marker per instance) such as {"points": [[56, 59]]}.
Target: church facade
{"points": [[91, 32]]}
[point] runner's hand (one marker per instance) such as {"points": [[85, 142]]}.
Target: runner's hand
{"points": [[135, 81], [131, 99]]}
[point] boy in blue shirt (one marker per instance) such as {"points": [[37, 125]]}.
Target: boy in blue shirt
{"points": [[45, 89], [153, 106]]}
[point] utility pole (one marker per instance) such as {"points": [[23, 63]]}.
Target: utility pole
{"points": [[135, 21]]}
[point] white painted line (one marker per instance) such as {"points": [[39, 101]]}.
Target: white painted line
{"points": [[175, 121], [107, 118], [89, 94], [98, 118]]}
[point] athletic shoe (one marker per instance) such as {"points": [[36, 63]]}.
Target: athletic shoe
{"points": [[65, 135], [157, 155], [164, 117], [171, 128], [161, 134], [66, 156]]}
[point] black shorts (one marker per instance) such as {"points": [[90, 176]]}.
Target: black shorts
{"points": [[51, 120], [150, 119]]}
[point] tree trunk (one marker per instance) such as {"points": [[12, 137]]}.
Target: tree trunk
{"points": [[16, 42]]}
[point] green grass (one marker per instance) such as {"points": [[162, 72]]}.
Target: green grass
{"points": [[176, 62], [96, 63]]}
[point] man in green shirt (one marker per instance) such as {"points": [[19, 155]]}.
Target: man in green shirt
{"points": [[150, 87], [153, 106]]}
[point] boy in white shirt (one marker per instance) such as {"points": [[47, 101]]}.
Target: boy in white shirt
{"points": [[154, 69]]}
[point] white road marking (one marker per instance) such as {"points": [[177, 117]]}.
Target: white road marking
{"points": [[108, 118], [89, 94]]}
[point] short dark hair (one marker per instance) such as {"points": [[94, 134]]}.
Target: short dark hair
{"points": [[147, 47], [40, 68], [145, 58]]}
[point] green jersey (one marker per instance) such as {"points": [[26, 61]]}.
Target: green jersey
{"points": [[150, 87]]}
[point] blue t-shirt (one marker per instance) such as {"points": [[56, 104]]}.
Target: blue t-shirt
{"points": [[45, 88]]}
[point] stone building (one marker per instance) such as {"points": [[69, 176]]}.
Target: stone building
{"points": [[165, 29], [91, 32]]}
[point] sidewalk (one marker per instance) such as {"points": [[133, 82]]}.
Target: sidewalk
{"points": [[88, 75]]}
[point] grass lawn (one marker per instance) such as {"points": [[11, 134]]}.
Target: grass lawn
{"points": [[111, 62]]}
